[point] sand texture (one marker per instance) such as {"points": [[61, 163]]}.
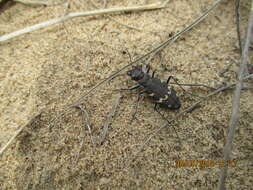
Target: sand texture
{"points": [[46, 70]]}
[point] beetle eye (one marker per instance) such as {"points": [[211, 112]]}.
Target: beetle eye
{"points": [[177, 106], [136, 74]]}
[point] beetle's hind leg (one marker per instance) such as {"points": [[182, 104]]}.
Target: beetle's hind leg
{"points": [[176, 82], [156, 109]]}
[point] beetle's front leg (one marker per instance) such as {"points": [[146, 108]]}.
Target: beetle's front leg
{"points": [[168, 80], [145, 91]]}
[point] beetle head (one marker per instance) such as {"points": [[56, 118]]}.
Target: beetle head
{"points": [[136, 73]]}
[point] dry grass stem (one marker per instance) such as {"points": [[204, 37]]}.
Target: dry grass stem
{"points": [[87, 121], [36, 3], [109, 118], [78, 14], [206, 86], [118, 22], [17, 133], [194, 85], [236, 102], [237, 14], [248, 76], [111, 18]]}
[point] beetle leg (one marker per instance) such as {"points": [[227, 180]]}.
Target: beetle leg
{"points": [[168, 80], [148, 68], [155, 108], [175, 79], [156, 104], [144, 91], [136, 108], [153, 74], [131, 88]]}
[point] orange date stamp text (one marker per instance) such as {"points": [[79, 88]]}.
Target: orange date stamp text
{"points": [[205, 163]]}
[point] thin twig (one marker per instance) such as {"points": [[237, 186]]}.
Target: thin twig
{"points": [[198, 85], [87, 121], [236, 103], [180, 86], [109, 118], [78, 14], [17, 133], [80, 148], [111, 18], [37, 3], [244, 87], [123, 24], [237, 15], [140, 98], [248, 76]]}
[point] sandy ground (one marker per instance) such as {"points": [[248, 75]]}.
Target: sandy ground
{"points": [[46, 70]]}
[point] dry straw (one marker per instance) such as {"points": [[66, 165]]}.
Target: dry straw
{"points": [[71, 15]]}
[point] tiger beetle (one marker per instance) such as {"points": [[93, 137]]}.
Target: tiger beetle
{"points": [[159, 91]]}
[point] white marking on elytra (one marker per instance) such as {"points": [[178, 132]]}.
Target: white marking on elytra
{"points": [[162, 99], [169, 90], [152, 94]]}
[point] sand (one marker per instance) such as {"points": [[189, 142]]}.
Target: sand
{"points": [[49, 69]]}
